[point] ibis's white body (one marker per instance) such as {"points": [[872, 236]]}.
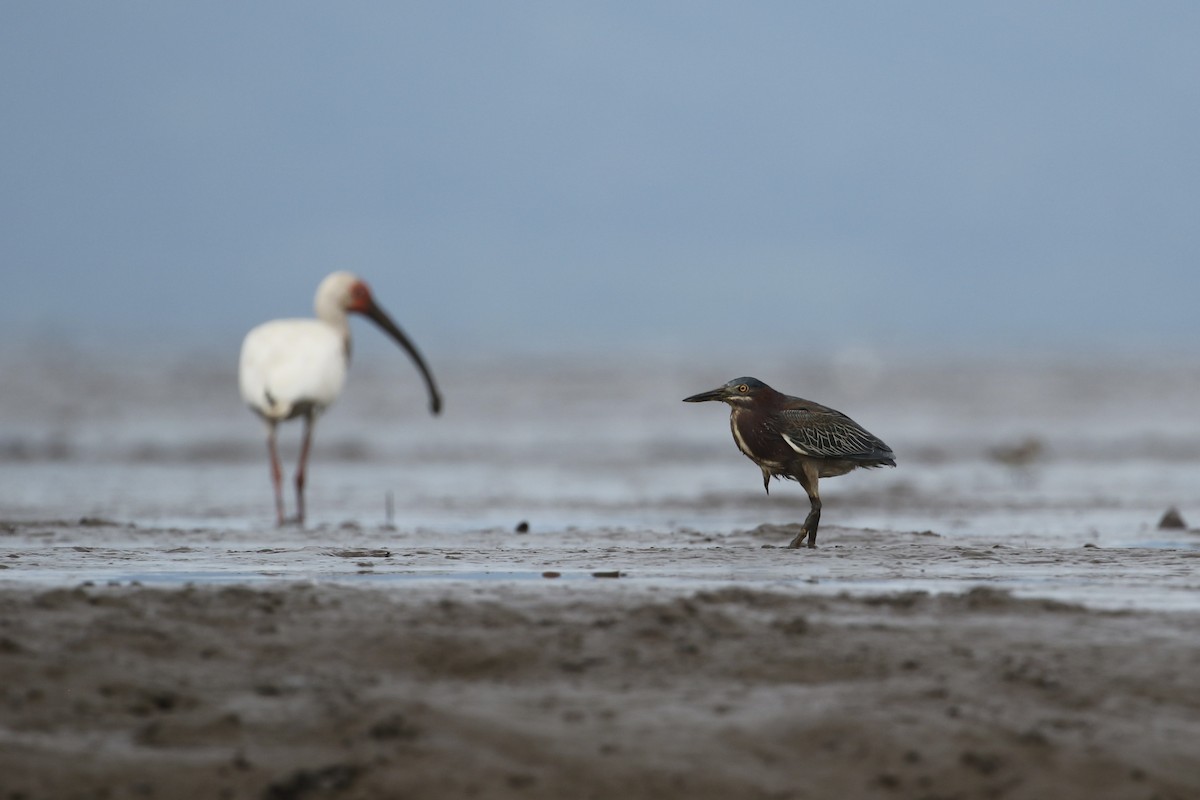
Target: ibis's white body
{"points": [[290, 367], [296, 368]]}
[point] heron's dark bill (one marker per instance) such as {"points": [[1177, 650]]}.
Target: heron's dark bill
{"points": [[380, 318], [715, 394]]}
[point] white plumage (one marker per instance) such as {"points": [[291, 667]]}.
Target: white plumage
{"points": [[288, 363], [293, 368]]}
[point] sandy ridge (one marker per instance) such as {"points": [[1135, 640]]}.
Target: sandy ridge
{"points": [[588, 690]]}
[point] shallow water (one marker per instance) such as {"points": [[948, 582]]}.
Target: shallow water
{"points": [[611, 472]]}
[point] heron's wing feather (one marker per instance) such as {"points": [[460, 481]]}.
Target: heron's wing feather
{"points": [[824, 433]]}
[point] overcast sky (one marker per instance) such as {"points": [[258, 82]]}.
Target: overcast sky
{"points": [[607, 174]]}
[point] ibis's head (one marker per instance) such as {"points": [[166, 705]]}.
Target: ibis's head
{"points": [[343, 293]]}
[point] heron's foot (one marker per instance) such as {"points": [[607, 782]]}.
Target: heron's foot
{"points": [[799, 540], [801, 536], [285, 522]]}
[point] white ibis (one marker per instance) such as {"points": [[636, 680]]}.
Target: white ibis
{"points": [[296, 367]]}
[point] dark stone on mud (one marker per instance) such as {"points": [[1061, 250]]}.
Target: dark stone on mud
{"points": [[395, 726], [307, 783], [1172, 520]]}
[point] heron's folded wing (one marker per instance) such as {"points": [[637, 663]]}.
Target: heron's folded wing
{"points": [[825, 433]]}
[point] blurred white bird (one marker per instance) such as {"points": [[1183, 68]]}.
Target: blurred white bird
{"points": [[296, 368]]}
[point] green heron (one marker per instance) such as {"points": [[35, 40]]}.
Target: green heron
{"points": [[797, 439]]}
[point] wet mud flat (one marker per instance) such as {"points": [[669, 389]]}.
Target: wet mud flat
{"points": [[590, 689], [1158, 570]]}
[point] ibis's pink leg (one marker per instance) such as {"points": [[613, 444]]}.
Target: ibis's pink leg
{"points": [[300, 467], [276, 474]]}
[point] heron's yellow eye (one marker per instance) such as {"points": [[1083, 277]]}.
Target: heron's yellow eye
{"points": [[743, 388]]}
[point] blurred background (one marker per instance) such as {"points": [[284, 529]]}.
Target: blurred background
{"points": [[580, 176], [971, 226]]}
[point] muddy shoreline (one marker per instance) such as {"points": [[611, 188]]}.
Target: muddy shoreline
{"points": [[589, 690]]}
